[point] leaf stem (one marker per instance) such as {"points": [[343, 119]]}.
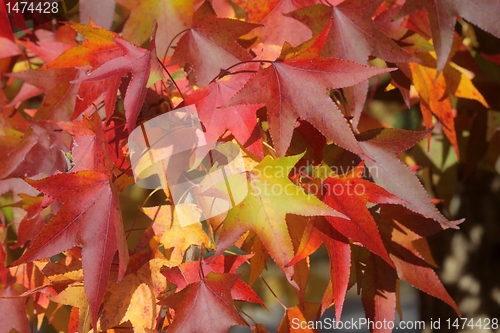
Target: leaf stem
{"points": [[226, 71], [171, 78], [272, 292]]}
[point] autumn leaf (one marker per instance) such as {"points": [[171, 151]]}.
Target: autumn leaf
{"points": [[193, 271], [23, 150], [134, 299], [206, 301], [264, 209], [443, 16], [241, 120], [215, 39], [351, 20], [85, 195], [393, 175], [295, 86], [407, 250], [135, 60], [437, 100], [379, 292]]}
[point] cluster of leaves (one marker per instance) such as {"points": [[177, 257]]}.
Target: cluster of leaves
{"points": [[286, 80]]}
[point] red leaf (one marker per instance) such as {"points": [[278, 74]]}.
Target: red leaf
{"points": [[241, 120], [296, 87], [395, 176], [90, 216], [350, 196], [206, 301], [135, 60], [210, 45], [351, 20], [379, 293], [443, 16], [191, 272], [411, 265]]}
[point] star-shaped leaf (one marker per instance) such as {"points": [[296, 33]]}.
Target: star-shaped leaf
{"points": [[351, 21], [135, 60], [210, 45], [206, 301], [271, 196], [90, 211], [296, 86], [443, 16], [241, 120]]}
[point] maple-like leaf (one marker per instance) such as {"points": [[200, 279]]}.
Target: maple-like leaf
{"points": [[443, 16], [276, 27], [241, 120], [410, 254], [90, 216], [450, 81], [136, 61], [215, 39], [296, 86], [98, 48], [264, 210], [350, 196], [393, 175], [351, 20], [193, 271], [379, 292], [206, 301]]}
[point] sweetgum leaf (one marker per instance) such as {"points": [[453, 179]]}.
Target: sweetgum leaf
{"points": [[443, 16], [379, 292], [265, 207], [206, 301], [135, 60], [241, 120], [191, 272], [393, 175], [296, 86], [411, 265], [351, 21], [210, 45], [90, 216]]}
